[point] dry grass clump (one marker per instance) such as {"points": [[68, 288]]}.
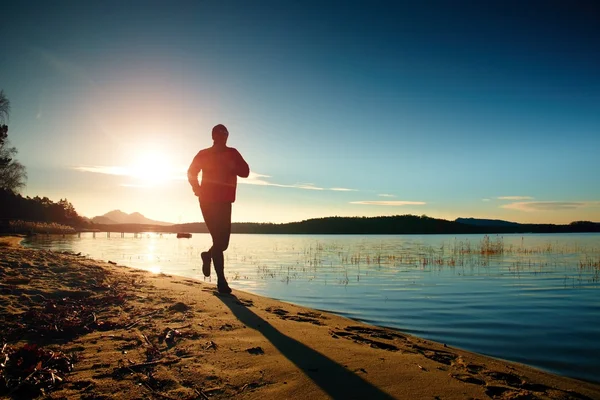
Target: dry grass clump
{"points": [[29, 370], [486, 247], [39, 227], [590, 263]]}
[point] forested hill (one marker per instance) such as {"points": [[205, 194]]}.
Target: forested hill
{"points": [[400, 224], [359, 225], [39, 209]]}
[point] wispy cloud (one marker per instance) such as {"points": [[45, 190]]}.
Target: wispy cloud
{"points": [[385, 195], [135, 185], [262, 180], [257, 179], [550, 205], [99, 169], [253, 179], [389, 203], [485, 199], [515, 198], [156, 174], [305, 186]]}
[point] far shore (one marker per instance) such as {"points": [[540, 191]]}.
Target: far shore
{"points": [[382, 225], [131, 334]]}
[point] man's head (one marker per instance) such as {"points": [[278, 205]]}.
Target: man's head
{"points": [[220, 134]]}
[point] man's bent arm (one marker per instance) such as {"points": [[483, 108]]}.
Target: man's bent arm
{"points": [[242, 169], [193, 172]]}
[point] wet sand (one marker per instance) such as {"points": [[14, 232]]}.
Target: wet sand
{"points": [[132, 334]]}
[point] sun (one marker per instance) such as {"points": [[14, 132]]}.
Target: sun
{"points": [[151, 168]]}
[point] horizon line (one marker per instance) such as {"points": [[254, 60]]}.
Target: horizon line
{"points": [[165, 223]]}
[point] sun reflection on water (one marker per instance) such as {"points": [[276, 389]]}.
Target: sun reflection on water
{"points": [[152, 258]]}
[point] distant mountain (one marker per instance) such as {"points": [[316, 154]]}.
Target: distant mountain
{"points": [[485, 222], [103, 220], [119, 217]]}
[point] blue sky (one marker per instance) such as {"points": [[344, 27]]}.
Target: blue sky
{"points": [[485, 109]]}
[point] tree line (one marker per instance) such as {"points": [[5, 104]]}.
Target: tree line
{"points": [[385, 225], [38, 209]]}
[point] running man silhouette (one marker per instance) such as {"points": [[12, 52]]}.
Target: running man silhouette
{"points": [[220, 166]]}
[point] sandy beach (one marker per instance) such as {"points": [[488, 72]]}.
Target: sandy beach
{"points": [[107, 331]]}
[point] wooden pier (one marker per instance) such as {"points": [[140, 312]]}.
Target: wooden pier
{"points": [[136, 235]]}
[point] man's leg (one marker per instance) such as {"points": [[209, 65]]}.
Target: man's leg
{"points": [[206, 258], [217, 217], [207, 214], [221, 242]]}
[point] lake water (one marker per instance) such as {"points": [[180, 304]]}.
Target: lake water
{"points": [[533, 299]]}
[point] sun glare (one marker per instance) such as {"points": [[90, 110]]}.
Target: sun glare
{"points": [[151, 168]]}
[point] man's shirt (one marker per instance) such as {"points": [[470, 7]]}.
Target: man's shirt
{"points": [[220, 168]]}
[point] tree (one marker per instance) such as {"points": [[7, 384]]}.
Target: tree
{"points": [[4, 113], [12, 172], [4, 107]]}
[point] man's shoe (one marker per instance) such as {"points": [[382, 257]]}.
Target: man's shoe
{"points": [[205, 255], [223, 288]]}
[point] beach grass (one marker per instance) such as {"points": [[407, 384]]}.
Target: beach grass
{"points": [[29, 227]]}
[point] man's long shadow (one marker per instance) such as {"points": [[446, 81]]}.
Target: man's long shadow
{"points": [[337, 381]]}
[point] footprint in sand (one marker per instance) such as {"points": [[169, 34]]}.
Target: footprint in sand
{"points": [[505, 378], [277, 311], [226, 327], [377, 344], [503, 392], [443, 357], [245, 302], [375, 332], [474, 368], [523, 388], [468, 379], [304, 319], [255, 350], [179, 307], [311, 314], [504, 385], [310, 317]]}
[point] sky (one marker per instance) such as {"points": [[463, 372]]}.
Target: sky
{"points": [[486, 109]]}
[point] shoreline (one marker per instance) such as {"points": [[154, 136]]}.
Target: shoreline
{"points": [[166, 336]]}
